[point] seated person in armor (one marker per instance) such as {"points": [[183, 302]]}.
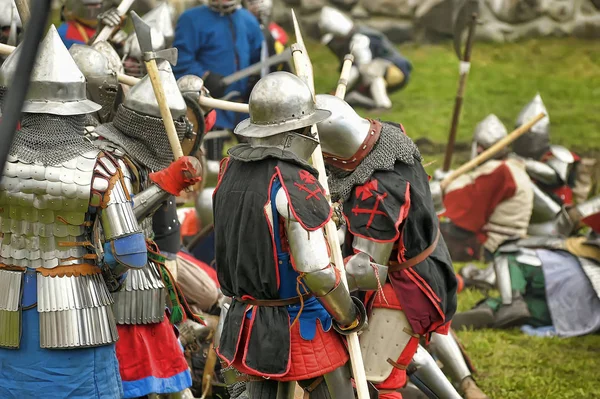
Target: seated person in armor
{"points": [[378, 69], [488, 205]]}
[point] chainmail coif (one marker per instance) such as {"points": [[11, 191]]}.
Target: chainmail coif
{"points": [[393, 145], [143, 137], [50, 139]]}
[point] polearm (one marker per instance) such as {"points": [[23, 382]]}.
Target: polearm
{"points": [[305, 71], [24, 13], [340, 91], [107, 30], [15, 97], [465, 65], [490, 152]]}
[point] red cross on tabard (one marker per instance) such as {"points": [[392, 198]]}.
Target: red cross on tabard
{"points": [[364, 192], [309, 179]]}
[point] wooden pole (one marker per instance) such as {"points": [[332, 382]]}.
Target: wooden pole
{"points": [[465, 65], [5, 49], [340, 92], [24, 13], [165, 111], [304, 70], [490, 152]]}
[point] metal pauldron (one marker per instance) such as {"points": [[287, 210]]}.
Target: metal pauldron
{"points": [[541, 172], [363, 274], [148, 201]]}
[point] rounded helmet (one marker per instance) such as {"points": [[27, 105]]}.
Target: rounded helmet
{"points": [[85, 11], [102, 83], [57, 85], [536, 142], [260, 8], [487, 133], [224, 7], [334, 22], [280, 102], [108, 51], [346, 138]]}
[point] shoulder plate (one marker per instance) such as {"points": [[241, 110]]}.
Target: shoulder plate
{"points": [[306, 196]]}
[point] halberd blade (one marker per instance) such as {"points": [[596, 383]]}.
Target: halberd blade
{"points": [[464, 10], [143, 33]]}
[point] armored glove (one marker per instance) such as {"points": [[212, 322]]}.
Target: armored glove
{"points": [[338, 215], [214, 83], [183, 173], [110, 18]]}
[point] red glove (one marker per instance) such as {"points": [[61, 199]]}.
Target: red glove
{"points": [[175, 178], [209, 120]]}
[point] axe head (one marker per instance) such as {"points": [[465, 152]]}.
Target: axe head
{"points": [[143, 32], [463, 15]]}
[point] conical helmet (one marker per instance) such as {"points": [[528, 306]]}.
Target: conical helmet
{"points": [[536, 142], [280, 102], [487, 133], [142, 100], [57, 85], [161, 19], [334, 22], [9, 14]]}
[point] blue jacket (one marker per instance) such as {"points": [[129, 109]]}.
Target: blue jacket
{"points": [[224, 44]]}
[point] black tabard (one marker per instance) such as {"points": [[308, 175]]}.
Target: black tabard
{"points": [[396, 206], [246, 258]]}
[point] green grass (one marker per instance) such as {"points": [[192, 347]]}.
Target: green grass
{"points": [[503, 78]]}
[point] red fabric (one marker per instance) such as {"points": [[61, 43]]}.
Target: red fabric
{"points": [[593, 221], [149, 350], [278, 33], [461, 283], [173, 178], [471, 206], [189, 226], [565, 193], [209, 120], [308, 359], [212, 273], [73, 32]]}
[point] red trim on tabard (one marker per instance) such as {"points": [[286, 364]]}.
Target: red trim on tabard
{"points": [[287, 194], [209, 120], [401, 216], [227, 361], [397, 378], [426, 292], [223, 165], [425, 284], [275, 220]]}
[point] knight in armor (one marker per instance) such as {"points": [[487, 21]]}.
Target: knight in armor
{"points": [[150, 357], [378, 69], [289, 308], [83, 18], [214, 41], [559, 173], [490, 204], [10, 23], [393, 248], [69, 237], [275, 36], [547, 285]]}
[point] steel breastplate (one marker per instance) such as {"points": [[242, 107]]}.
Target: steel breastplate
{"points": [[43, 216]]}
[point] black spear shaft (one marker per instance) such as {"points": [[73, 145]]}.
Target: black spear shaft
{"points": [[13, 101]]}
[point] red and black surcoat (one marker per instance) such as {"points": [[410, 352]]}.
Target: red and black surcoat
{"points": [[396, 206], [253, 263]]}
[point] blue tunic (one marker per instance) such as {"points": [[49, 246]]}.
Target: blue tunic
{"points": [[224, 44]]}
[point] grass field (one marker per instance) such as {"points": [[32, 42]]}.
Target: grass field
{"points": [[503, 78]]}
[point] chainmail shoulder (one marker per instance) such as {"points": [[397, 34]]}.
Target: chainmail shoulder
{"points": [[392, 146], [50, 139], [142, 137], [246, 153]]}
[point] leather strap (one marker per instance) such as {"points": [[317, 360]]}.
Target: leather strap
{"points": [[364, 149], [396, 266], [314, 385], [396, 365], [275, 302]]}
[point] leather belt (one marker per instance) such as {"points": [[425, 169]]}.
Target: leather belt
{"points": [[276, 302], [397, 266]]}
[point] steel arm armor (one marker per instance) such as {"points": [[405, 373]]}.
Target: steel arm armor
{"points": [[541, 172], [365, 270], [311, 259], [146, 202]]}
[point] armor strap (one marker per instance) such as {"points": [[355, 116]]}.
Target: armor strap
{"points": [[275, 302], [365, 148], [397, 266]]}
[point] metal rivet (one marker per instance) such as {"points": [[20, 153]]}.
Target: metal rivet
{"points": [[335, 159], [344, 162], [364, 147]]}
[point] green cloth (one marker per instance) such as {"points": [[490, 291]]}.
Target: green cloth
{"points": [[529, 282]]}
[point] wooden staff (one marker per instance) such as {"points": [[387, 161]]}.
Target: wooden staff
{"points": [[490, 152], [340, 92], [23, 9], [304, 70], [107, 30]]}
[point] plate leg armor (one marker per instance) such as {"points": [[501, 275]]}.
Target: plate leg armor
{"points": [[378, 91], [447, 350], [339, 384], [429, 378], [503, 279], [286, 389]]}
